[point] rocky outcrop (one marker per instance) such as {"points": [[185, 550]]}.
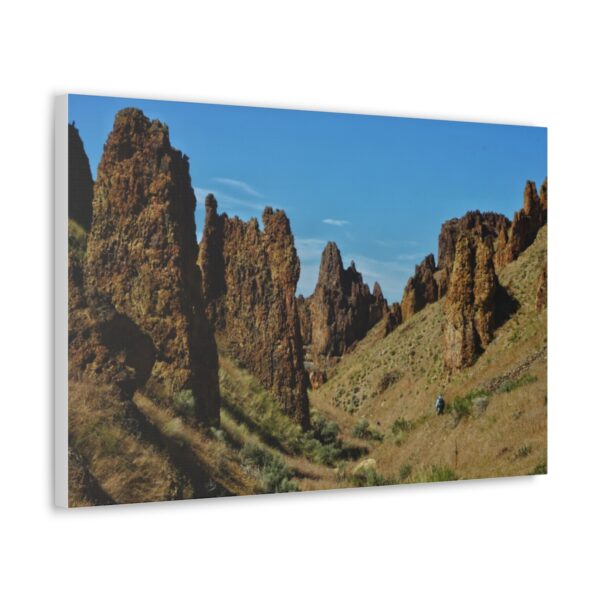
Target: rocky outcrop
{"points": [[142, 284], [392, 318], [81, 184], [541, 296], [342, 306], [481, 225], [377, 306], [421, 289], [471, 302], [249, 282], [525, 225]]}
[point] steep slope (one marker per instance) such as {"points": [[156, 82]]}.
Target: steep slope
{"points": [[496, 422]]}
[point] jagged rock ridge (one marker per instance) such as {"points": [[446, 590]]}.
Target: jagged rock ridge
{"points": [[142, 284], [525, 225], [421, 289], [249, 282]]}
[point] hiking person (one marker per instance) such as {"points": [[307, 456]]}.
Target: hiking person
{"points": [[440, 405]]}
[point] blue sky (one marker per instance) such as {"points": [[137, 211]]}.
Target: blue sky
{"points": [[380, 187]]}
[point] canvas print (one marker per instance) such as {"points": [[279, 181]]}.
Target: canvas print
{"points": [[264, 300]]}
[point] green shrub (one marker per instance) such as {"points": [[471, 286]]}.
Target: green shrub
{"points": [[387, 381], [405, 472], [436, 473], [401, 425], [369, 477], [275, 475], [365, 431], [185, 403], [512, 384], [540, 469], [523, 451], [325, 431], [462, 407]]}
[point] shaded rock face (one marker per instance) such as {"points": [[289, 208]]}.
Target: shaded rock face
{"points": [[81, 184], [421, 289], [342, 308], [393, 318], [525, 225], [142, 284], [249, 282], [471, 302], [482, 225], [541, 296]]}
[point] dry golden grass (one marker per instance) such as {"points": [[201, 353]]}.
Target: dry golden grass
{"points": [[126, 468], [509, 438]]}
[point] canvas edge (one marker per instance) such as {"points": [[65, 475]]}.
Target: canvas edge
{"points": [[61, 191]]}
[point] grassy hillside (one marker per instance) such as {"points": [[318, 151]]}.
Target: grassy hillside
{"points": [[496, 422], [373, 421]]}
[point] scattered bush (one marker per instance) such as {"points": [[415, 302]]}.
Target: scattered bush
{"points": [[540, 469], [405, 472], [275, 475], [369, 477], [523, 451], [402, 425], [436, 473], [365, 431], [461, 407], [185, 403], [325, 431], [512, 384]]}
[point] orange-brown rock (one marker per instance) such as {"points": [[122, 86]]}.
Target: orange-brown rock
{"points": [[421, 289], [142, 283], [525, 225], [81, 184], [471, 302], [249, 282], [342, 306], [541, 296], [482, 225]]}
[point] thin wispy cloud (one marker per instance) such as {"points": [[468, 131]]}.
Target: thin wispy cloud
{"points": [[239, 185], [227, 201], [336, 222], [310, 249]]}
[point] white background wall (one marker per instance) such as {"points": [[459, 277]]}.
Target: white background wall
{"points": [[515, 62]]}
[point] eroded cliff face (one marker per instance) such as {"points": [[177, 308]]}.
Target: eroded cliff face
{"points": [[142, 284], [525, 225], [342, 307], [471, 304], [249, 282], [81, 184], [421, 289], [482, 225]]}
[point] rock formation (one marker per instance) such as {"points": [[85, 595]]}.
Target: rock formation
{"points": [[421, 289], [525, 225], [249, 282], [342, 307], [392, 318], [471, 302], [142, 284], [81, 184], [482, 225]]}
